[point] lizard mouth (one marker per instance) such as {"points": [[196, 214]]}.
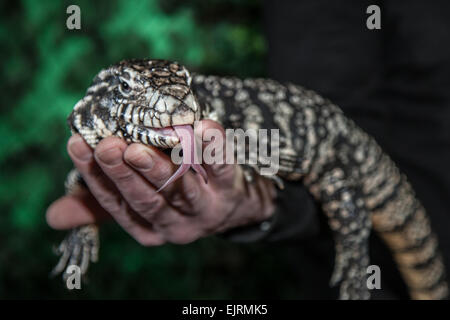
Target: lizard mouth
{"points": [[159, 137], [185, 134], [150, 127], [170, 137]]}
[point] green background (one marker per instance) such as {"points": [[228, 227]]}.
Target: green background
{"points": [[45, 70]]}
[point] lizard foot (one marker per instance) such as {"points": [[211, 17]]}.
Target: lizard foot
{"points": [[350, 272], [79, 248]]}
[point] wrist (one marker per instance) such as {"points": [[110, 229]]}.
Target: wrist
{"points": [[255, 206], [251, 232]]}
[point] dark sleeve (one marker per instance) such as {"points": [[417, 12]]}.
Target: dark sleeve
{"points": [[295, 218], [393, 82]]}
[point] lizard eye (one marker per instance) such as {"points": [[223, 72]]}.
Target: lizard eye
{"points": [[124, 87]]}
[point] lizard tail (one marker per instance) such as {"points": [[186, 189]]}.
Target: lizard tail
{"points": [[403, 224]]}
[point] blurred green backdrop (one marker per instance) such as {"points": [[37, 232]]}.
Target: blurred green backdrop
{"points": [[45, 70]]}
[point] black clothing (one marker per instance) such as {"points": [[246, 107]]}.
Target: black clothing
{"points": [[395, 84]]}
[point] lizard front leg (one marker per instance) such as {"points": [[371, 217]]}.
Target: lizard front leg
{"points": [[81, 245]]}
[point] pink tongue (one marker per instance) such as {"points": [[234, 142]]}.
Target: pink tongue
{"points": [[186, 135]]}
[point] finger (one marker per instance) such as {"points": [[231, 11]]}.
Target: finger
{"points": [[100, 186], [135, 189], [157, 168], [214, 154], [107, 194], [74, 211]]}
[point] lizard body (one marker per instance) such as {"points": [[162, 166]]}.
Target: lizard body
{"points": [[358, 186]]}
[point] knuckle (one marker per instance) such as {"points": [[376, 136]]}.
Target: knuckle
{"points": [[122, 174], [155, 204], [148, 206], [111, 204], [177, 200], [190, 197]]}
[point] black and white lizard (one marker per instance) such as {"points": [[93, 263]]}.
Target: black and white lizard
{"points": [[357, 185]]}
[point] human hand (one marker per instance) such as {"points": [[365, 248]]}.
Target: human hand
{"points": [[123, 179]]}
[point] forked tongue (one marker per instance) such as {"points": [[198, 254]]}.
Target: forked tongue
{"points": [[187, 139]]}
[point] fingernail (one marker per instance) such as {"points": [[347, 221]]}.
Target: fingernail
{"points": [[79, 149], [140, 158], [110, 157]]}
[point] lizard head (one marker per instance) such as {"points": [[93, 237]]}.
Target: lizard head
{"points": [[146, 101], [138, 100]]}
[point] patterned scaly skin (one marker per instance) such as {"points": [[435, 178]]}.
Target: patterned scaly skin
{"points": [[357, 185]]}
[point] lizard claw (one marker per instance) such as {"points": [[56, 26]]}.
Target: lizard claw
{"points": [[78, 248]]}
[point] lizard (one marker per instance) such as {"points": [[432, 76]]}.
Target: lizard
{"points": [[358, 186]]}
